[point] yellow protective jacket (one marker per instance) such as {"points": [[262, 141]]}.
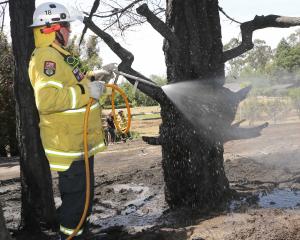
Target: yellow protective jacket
{"points": [[61, 95], [122, 122]]}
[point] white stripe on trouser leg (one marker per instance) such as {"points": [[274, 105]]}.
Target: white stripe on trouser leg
{"points": [[68, 231]]}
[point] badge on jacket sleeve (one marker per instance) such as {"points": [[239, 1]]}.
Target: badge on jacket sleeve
{"points": [[49, 68]]}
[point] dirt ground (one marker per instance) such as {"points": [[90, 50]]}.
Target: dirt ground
{"points": [[129, 192]]}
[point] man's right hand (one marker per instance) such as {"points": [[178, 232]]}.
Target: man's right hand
{"points": [[106, 72], [96, 89]]}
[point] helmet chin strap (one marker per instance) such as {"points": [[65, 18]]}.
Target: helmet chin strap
{"points": [[60, 38]]}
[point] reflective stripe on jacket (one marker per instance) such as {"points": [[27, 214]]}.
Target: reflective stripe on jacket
{"points": [[61, 100]]}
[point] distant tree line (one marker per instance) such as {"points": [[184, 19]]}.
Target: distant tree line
{"points": [[271, 72], [8, 142], [269, 66]]}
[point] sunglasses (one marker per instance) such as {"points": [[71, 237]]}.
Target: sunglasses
{"points": [[66, 25]]}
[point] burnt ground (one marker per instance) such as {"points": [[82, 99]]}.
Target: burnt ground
{"points": [[129, 200]]}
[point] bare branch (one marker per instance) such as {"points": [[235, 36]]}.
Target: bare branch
{"points": [[4, 2], [259, 22], [117, 11], [158, 25], [127, 58], [236, 133], [93, 10], [3, 16], [226, 15]]}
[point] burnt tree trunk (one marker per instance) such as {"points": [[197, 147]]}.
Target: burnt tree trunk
{"points": [[37, 195], [193, 163], [4, 234], [192, 144]]}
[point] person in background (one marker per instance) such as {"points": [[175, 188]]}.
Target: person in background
{"points": [[111, 128], [122, 121]]}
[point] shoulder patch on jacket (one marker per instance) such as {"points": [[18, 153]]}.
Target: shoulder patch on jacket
{"points": [[49, 68]]}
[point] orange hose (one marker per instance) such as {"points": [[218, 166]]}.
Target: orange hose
{"points": [[86, 150], [87, 169], [122, 93]]}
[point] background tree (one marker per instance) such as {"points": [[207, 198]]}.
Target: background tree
{"points": [[7, 103], [37, 196]]}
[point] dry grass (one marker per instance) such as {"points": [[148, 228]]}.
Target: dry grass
{"points": [[139, 125]]}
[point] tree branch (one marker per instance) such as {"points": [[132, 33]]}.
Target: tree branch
{"points": [[127, 59], [158, 25], [93, 10], [116, 10], [4, 2], [259, 22], [3, 16], [242, 94], [236, 133], [226, 15]]}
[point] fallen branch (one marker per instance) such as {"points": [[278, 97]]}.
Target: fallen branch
{"points": [[259, 22]]}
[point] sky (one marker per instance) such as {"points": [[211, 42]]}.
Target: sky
{"points": [[146, 44]]}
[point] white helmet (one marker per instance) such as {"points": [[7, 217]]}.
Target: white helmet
{"points": [[50, 12]]}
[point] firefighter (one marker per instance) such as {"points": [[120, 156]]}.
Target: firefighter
{"points": [[62, 87], [122, 121]]}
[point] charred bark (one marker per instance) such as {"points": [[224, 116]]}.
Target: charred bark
{"points": [[37, 195], [192, 161]]}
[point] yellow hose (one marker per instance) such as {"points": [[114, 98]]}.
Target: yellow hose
{"points": [[86, 151], [122, 93]]}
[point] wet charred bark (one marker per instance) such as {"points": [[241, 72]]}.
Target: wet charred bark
{"points": [[192, 161], [37, 196]]}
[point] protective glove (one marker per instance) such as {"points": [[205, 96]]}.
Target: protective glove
{"points": [[111, 67], [96, 89], [106, 72]]}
